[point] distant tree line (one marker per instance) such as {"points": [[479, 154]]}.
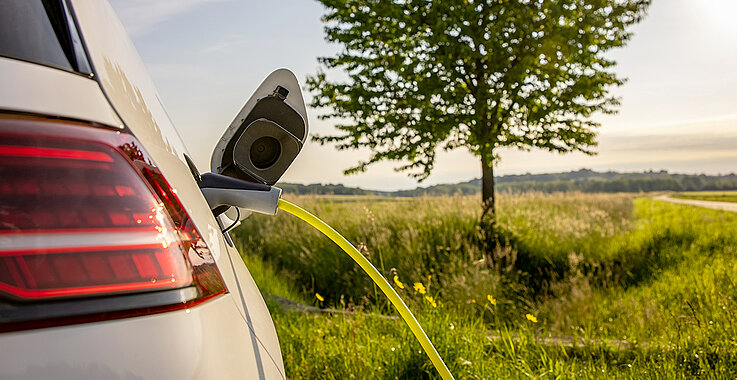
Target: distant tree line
{"points": [[320, 189], [584, 180], [624, 185]]}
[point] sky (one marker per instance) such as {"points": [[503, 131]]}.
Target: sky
{"points": [[678, 112]]}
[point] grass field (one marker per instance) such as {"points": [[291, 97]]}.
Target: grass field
{"points": [[717, 196], [583, 286]]}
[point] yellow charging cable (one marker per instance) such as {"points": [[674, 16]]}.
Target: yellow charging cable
{"points": [[366, 265]]}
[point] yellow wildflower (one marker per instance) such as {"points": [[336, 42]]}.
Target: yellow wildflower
{"points": [[491, 299], [319, 297], [399, 283], [431, 301], [473, 301], [419, 288], [531, 318]]}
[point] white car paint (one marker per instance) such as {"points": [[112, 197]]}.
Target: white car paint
{"points": [[209, 341], [26, 88]]}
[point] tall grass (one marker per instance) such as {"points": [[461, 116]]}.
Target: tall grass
{"points": [[620, 287], [677, 279], [412, 239], [438, 237]]}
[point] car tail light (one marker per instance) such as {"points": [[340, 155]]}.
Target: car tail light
{"points": [[85, 213]]}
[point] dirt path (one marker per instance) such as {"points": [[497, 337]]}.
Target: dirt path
{"points": [[727, 206]]}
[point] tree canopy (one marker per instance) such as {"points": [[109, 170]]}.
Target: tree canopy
{"points": [[480, 74]]}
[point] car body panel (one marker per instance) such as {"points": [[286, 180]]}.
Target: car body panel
{"points": [[230, 336], [25, 88], [177, 345], [251, 310]]}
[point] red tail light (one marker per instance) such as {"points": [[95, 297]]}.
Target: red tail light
{"points": [[84, 212]]}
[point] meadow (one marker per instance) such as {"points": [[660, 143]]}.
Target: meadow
{"points": [[578, 286], [718, 196]]}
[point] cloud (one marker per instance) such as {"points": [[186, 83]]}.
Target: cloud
{"points": [[142, 16]]}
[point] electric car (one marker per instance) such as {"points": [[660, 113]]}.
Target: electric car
{"points": [[113, 259]]}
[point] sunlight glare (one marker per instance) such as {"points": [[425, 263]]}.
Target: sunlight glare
{"points": [[722, 14]]}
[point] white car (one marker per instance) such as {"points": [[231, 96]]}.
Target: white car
{"points": [[113, 259]]}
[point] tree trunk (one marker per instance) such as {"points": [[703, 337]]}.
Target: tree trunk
{"points": [[488, 217], [487, 186]]}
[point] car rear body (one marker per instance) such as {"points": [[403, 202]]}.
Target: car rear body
{"points": [[152, 333]]}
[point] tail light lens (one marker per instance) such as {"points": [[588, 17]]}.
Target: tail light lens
{"points": [[84, 212]]}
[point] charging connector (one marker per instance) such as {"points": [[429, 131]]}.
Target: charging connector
{"points": [[222, 192]]}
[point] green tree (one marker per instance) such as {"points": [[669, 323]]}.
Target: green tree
{"points": [[426, 75]]}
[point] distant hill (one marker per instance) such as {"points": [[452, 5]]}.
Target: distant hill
{"points": [[584, 180]]}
